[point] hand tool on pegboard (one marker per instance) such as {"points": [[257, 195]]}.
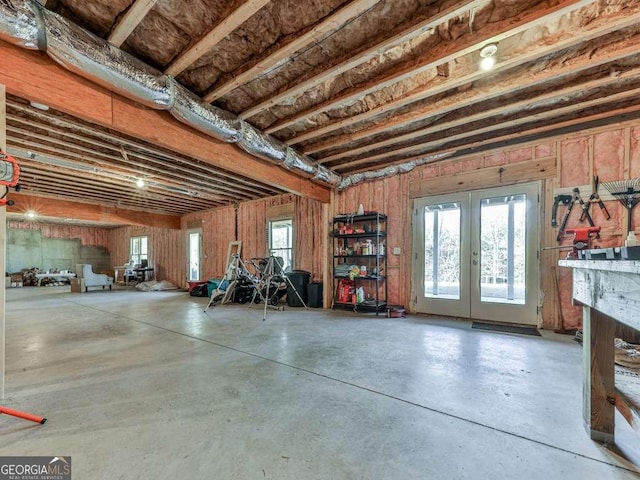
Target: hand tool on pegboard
{"points": [[595, 198], [574, 198]]}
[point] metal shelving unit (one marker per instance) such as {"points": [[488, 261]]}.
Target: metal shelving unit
{"points": [[359, 241]]}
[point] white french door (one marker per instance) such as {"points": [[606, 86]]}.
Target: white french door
{"points": [[194, 254], [476, 254]]}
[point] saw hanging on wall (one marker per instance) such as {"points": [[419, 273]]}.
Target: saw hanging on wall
{"points": [[9, 176]]}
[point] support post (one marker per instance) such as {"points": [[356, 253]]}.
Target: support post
{"points": [[3, 241], [599, 375]]}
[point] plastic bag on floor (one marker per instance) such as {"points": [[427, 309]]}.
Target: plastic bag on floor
{"points": [[155, 286]]}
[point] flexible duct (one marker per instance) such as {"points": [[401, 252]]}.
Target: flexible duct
{"points": [[26, 24], [356, 178]]}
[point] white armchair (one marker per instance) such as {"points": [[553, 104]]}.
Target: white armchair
{"points": [[90, 279]]}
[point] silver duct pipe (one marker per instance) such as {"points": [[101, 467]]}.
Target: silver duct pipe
{"points": [[26, 24], [356, 178]]}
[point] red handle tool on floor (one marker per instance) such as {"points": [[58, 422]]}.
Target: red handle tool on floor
{"points": [[23, 415]]}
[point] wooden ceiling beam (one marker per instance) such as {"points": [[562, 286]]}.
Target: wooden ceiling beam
{"points": [[72, 164], [458, 104], [602, 56], [365, 56], [33, 76], [85, 211], [546, 116], [215, 36], [130, 20], [544, 131], [108, 185], [151, 172], [448, 53], [283, 54], [171, 159]]}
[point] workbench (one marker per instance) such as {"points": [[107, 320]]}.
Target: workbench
{"points": [[609, 292]]}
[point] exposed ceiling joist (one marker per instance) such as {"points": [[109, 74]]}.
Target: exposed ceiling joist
{"points": [[464, 100], [365, 56], [451, 52], [547, 117], [286, 52], [171, 161], [130, 20], [211, 39], [32, 76]]}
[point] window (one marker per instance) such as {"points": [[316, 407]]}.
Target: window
{"points": [[281, 240], [139, 250]]}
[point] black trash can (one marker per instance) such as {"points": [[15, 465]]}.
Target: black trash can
{"points": [[299, 279], [314, 294]]}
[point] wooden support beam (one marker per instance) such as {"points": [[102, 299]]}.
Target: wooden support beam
{"points": [[32, 75], [169, 161], [285, 53], [211, 39], [448, 53], [546, 116], [465, 99], [599, 375], [522, 172], [363, 57], [486, 114], [3, 243], [130, 20], [60, 208]]}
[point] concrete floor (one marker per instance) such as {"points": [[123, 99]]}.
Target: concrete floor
{"points": [[146, 386]]}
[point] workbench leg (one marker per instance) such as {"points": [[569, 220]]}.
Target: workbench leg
{"points": [[599, 375]]}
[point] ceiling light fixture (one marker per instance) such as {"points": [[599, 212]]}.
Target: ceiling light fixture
{"points": [[488, 56], [39, 106], [140, 183], [31, 214]]}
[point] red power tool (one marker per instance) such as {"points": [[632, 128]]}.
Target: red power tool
{"points": [[9, 176], [581, 239]]}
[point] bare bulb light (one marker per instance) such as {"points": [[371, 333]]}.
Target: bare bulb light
{"points": [[31, 214], [140, 183], [488, 56], [487, 63]]}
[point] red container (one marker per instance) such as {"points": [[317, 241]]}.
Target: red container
{"points": [[193, 285]]}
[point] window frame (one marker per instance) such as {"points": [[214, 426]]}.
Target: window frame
{"points": [[289, 262], [139, 256]]}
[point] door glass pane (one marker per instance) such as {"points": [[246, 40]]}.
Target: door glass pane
{"points": [[442, 251], [194, 256], [502, 249]]}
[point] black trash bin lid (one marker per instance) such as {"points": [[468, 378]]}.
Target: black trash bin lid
{"points": [[300, 273]]}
